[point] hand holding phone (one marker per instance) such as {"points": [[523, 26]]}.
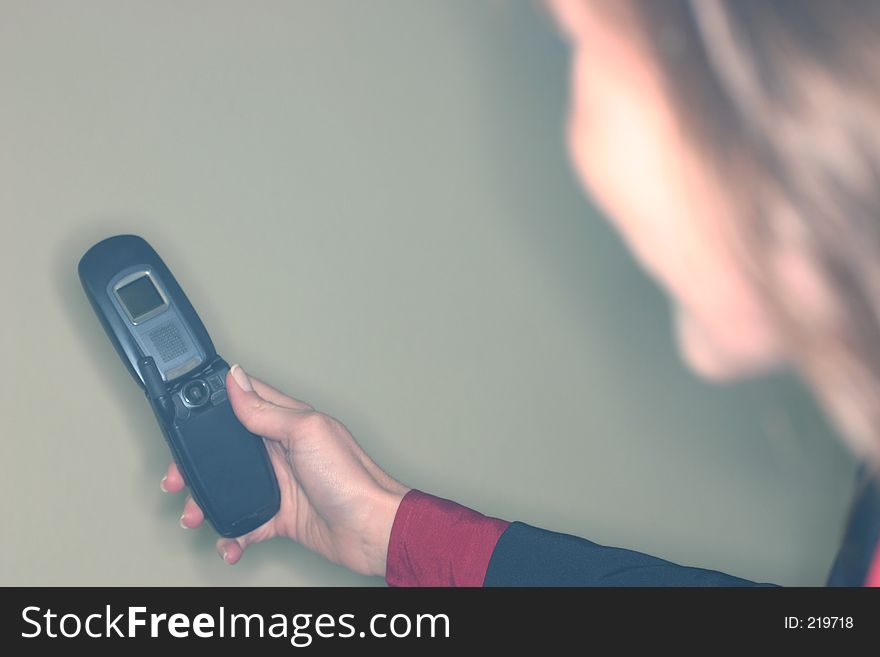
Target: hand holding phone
{"points": [[332, 497]]}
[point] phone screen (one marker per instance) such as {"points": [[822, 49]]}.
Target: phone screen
{"points": [[140, 297]]}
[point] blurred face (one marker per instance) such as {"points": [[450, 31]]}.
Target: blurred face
{"points": [[635, 161]]}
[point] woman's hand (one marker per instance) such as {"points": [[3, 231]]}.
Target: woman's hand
{"points": [[334, 499]]}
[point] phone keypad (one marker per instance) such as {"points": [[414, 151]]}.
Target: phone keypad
{"points": [[216, 383]]}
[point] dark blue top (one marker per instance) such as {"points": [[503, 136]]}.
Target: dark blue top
{"points": [[528, 556]]}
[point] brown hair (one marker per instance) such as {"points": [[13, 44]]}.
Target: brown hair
{"points": [[783, 99]]}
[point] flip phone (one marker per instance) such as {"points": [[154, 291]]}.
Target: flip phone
{"points": [[168, 352]]}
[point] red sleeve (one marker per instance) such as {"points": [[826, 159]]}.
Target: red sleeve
{"points": [[873, 578], [436, 542]]}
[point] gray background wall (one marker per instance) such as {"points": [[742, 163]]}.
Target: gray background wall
{"points": [[370, 206]]}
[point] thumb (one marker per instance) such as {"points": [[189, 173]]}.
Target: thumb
{"points": [[256, 413]]}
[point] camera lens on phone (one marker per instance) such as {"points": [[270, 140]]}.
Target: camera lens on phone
{"points": [[195, 393]]}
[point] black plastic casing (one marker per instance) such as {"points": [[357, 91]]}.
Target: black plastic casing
{"points": [[225, 466]]}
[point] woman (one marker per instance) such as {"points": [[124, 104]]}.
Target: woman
{"points": [[736, 146]]}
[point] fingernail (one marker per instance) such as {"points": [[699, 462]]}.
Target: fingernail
{"points": [[223, 555], [181, 523], [241, 378], [162, 485]]}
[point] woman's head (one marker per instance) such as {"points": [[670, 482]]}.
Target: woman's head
{"points": [[736, 145]]}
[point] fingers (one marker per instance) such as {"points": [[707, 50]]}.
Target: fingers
{"points": [[192, 515], [264, 390], [278, 398], [258, 414], [231, 549], [173, 481]]}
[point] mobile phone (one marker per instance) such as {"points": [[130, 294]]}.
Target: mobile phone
{"points": [[168, 352]]}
